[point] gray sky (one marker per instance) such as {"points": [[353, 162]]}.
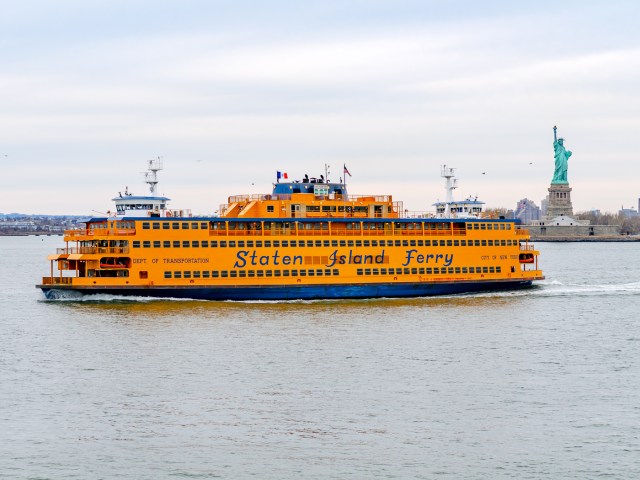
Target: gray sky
{"points": [[228, 92]]}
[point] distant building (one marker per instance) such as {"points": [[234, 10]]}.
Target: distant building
{"points": [[544, 206], [527, 211], [628, 212]]}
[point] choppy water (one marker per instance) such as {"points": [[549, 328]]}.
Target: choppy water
{"points": [[542, 383]]}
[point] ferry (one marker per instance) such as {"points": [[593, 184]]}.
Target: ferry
{"points": [[307, 239]]}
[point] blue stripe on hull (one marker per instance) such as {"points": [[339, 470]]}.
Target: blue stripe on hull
{"points": [[294, 292]]}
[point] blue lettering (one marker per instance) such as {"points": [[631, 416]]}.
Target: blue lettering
{"points": [[448, 258], [240, 256], [409, 257]]}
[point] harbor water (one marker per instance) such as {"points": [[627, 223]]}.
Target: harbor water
{"points": [[538, 383]]}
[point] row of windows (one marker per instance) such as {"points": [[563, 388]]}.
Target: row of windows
{"points": [[321, 243], [327, 272], [267, 225], [317, 272], [426, 270]]}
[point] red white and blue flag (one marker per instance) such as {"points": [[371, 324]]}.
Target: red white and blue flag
{"points": [[346, 172], [280, 175]]}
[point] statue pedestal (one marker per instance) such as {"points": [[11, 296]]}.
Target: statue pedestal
{"points": [[559, 201]]}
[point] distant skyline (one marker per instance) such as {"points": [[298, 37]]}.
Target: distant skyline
{"points": [[227, 93]]}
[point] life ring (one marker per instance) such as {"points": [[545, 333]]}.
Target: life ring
{"points": [[349, 209], [168, 214]]}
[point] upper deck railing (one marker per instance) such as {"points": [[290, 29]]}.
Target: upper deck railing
{"points": [[93, 250]]}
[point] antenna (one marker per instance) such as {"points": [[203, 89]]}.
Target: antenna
{"points": [[151, 176]]}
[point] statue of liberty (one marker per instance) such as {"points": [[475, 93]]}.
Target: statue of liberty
{"points": [[561, 156]]}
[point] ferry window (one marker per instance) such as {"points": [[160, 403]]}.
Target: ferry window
{"points": [[427, 243], [267, 243], [276, 243], [503, 243], [421, 271], [258, 243], [177, 274], [156, 244], [326, 243], [472, 270], [359, 271], [429, 271], [136, 244], [242, 273], [294, 243], [406, 271], [367, 243], [476, 243], [224, 273], [336, 271], [463, 243], [398, 243], [205, 274], [214, 273], [269, 208], [167, 274], [185, 226], [367, 271], [414, 271], [436, 271], [309, 243], [311, 273], [442, 243], [343, 243], [268, 273], [232, 243], [457, 269], [327, 272], [358, 243], [449, 243], [285, 273], [498, 269], [508, 226], [233, 273], [318, 243], [251, 273], [185, 243], [250, 243], [214, 243], [194, 226], [203, 225], [205, 244], [187, 274], [350, 243], [166, 244], [223, 243], [196, 274], [492, 270], [285, 243], [145, 225], [420, 243], [450, 270], [456, 243], [175, 226], [374, 243], [176, 244], [146, 244], [156, 225], [376, 271], [334, 243], [195, 244], [303, 273], [484, 243], [485, 269], [465, 270], [405, 243]]}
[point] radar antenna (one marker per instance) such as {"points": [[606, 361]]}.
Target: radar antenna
{"points": [[151, 176]]}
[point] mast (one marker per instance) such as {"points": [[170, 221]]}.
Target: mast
{"points": [[451, 184], [151, 176]]}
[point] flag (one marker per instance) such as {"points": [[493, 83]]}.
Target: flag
{"points": [[285, 175], [346, 172], [278, 175]]}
